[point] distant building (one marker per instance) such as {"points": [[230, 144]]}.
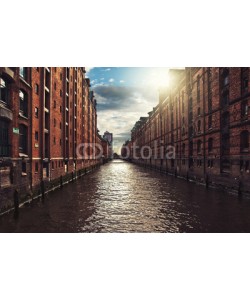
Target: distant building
{"points": [[109, 137]]}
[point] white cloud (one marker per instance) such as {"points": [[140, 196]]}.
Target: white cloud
{"points": [[122, 81], [102, 78], [119, 107], [108, 69], [111, 80]]}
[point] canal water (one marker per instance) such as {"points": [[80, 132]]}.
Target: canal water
{"points": [[123, 197]]}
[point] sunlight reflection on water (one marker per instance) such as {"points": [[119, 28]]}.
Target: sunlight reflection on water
{"points": [[122, 197]]}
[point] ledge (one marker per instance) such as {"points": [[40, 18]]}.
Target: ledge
{"points": [[5, 112]]}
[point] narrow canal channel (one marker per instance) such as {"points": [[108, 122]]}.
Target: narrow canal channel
{"points": [[122, 197]]}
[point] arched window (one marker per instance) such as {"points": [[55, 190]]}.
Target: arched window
{"points": [[4, 91], [23, 139], [210, 144], [23, 103], [244, 141]]}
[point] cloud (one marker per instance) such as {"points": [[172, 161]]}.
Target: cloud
{"points": [[124, 98], [108, 69], [122, 81], [111, 80], [119, 107]]}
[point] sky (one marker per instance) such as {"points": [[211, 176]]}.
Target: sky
{"points": [[124, 94]]}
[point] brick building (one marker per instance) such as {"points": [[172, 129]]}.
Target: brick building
{"points": [[45, 113], [204, 115]]}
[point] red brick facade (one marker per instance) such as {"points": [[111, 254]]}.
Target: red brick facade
{"points": [[45, 113], [205, 116]]}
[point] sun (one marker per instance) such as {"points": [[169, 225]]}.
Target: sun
{"points": [[159, 77]]}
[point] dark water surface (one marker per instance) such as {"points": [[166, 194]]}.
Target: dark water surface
{"points": [[122, 197]]}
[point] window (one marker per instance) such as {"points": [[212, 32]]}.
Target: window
{"points": [[23, 72], [4, 91], [210, 163], [60, 93], [54, 103], [172, 163], [199, 126], [225, 87], [183, 107], [225, 144], [183, 132], [4, 138], [225, 98], [209, 88], [183, 149], [244, 80], [36, 112], [190, 103], [225, 166], [191, 131], [54, 140], [60, 76], [210, 121], [244, 109], [198, 88], [37, 89], [199, 111], [24, 169], [210, 145], [247, 166], [225, 119], [199, 143], [36, 167], [225, 77], [23, 103], [244, 141], [52, 165], [36, 135], [23, 139]]}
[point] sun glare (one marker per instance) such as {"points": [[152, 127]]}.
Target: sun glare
{"points": [[158, 77]]}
